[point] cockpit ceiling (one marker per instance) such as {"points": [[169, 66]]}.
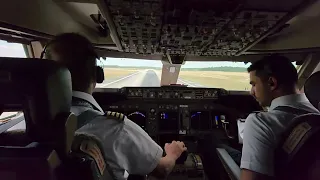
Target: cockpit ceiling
{"points": [[197, 27]]}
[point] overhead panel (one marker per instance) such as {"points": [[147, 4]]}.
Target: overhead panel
{"points": [[245, 28], [193, 27], [138, 24]]}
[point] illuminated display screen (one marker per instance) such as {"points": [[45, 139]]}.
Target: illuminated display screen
{"points": [[200, 120], [169, 121], [216, 120], [139, 118]]}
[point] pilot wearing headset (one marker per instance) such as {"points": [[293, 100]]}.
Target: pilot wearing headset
{"points": [[127, 147]]}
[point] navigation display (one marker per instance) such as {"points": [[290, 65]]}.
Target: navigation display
{"points": [[169, 121], [138, 117], [200, 120]]}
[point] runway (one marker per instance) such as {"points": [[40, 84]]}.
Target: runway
{"points": [[144, 78]]}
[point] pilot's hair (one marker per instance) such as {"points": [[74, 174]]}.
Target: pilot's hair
{"points": [[77, 53], [279, 67]]}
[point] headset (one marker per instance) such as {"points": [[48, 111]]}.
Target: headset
{"points": [[99, 74], [99, 70]]}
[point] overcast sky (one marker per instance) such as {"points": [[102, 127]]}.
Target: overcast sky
{"points": [[16, 50], [11, 50]]}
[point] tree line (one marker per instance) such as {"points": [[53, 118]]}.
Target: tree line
{"points": [[222, 68]]}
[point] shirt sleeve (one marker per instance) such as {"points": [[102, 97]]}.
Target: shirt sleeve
{"points": [[141, 154], [127, 147], [240, 130], [257, 151]]}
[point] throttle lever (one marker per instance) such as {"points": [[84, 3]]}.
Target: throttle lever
{"points": [[182, 158]]}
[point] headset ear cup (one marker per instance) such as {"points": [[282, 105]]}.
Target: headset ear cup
{"points": [[100, 74]]}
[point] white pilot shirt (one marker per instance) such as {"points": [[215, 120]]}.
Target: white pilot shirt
{"points": [[263, 130], [77, 110], [128, 148]]}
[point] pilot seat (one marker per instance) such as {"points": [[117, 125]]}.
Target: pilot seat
{"points": [[47, 148], [298, 155]]}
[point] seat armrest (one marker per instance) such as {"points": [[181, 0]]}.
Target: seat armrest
{"points": [[229, 164]]}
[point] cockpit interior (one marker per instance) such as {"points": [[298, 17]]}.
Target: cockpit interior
{"points": [[178, 69]]}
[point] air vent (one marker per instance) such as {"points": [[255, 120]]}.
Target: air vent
{"points": [[198, 94]]}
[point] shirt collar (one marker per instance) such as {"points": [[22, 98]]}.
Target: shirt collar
{"points": [[87, 97], [288, 100]]}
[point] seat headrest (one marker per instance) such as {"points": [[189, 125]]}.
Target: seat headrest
{"points": [[312, 89], [41, 88]]}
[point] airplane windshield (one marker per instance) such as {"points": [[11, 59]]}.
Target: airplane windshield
{"points": [[220, 74], [122, 72]]}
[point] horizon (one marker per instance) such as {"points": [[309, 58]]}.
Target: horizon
{"points": [[181, 67], [128, 62]]}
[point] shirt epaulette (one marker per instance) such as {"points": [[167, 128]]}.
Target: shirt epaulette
{"points": [[116, 115]]}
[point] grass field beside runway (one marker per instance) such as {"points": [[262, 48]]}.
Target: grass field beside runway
{"points": [[117, 73], [226, 80]]}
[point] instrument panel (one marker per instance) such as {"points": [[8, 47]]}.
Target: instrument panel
{"points": [[179, 113], [169, 92], [172, 110], [173, 118], [183, 119]]}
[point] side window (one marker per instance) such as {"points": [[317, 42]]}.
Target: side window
{"points": [[11, 50]]}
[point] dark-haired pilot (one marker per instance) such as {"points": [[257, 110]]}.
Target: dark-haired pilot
{"points": [[127, 147], [274, 85]]}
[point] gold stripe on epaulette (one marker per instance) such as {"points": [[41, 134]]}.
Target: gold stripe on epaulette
{"points": [[116, 115], [121, 116]]}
